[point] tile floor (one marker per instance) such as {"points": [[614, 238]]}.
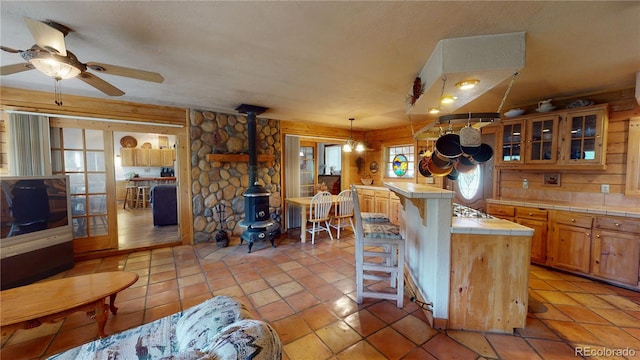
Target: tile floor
{"points": [[307, 293]]}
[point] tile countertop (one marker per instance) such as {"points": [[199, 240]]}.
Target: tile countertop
{"points": [[550, 205], [484, 226]]}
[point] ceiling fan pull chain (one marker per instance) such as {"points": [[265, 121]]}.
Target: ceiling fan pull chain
{"points": [[58, 93]]}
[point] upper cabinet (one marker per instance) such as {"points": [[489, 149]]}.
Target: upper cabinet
{"points": [[571, 138], [147, 157]]}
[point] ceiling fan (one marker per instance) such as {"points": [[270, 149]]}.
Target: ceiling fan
{"points": [[50, 56]]}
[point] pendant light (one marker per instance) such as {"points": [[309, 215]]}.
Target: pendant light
{"points": [[351, 144]]}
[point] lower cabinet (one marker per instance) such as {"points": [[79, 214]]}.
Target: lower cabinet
{"points": [[366, 200], [380, 201], [571, 249], [571, 241], [616, 250], [535, 219]]}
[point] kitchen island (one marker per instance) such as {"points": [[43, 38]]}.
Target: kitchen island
{"points": [[473, 271]]}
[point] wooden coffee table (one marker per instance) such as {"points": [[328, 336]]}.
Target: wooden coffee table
{"points": [[29, 306]]}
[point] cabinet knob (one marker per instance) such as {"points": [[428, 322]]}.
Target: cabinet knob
{"points": [[530, 214], [587, 234], [573, 220], [617, 224], [597, 261], [598, 236]]}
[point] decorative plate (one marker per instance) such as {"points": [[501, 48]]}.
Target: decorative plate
{"points": [[373, 167], [400, 165], [128, 142], [146, 145]]}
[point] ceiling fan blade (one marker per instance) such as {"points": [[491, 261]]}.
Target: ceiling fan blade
{"points": [[126, 72], [15, 68], [9, 50], [100, 84], [47, 37]]}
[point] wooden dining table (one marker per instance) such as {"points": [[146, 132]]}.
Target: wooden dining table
{"points": [[305, 203]]}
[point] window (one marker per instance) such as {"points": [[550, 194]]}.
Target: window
{"points": [[307, 168], [400, 161], [469, 183]]}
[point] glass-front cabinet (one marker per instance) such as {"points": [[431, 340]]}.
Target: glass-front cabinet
{"points": [[585, 137], [541, 142], [570, 137], [511, 145]]}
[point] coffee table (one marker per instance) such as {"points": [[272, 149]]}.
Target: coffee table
{"points": [[29, 306]]}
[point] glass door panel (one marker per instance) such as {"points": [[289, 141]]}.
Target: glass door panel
{"points": [[80, 154], [307, 171], [511, 139], [541, 140]]}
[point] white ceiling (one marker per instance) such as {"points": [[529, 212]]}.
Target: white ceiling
{"points": [[324, 62]]}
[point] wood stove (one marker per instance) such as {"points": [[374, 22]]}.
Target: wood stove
{"points": [[257, 218]]}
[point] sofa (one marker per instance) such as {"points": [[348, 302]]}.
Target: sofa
{"points": [[218, 328], [164, 203]]}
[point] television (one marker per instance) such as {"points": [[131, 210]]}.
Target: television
{"points": [[36, 233]]}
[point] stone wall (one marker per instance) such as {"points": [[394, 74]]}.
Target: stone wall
{"points": [[214, 182]]}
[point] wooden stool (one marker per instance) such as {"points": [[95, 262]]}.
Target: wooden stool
{"points": [[130, 196], [142, 196]]}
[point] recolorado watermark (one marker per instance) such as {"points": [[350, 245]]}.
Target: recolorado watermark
{"points": [[588, 351]]}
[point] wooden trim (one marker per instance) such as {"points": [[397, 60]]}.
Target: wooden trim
{"points": [[238, 157]]}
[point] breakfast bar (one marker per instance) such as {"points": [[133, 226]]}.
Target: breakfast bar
{"points": [[473, 271]]}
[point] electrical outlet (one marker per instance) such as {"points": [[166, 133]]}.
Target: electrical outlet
{"points": [[604, 188], [525, 184]]}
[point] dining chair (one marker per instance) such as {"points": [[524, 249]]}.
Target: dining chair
{"points": [[379, 252], [343, 211], [319, 214]]}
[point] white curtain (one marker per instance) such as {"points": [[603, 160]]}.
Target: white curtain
{"points": [[29, 151], [292, 178]]}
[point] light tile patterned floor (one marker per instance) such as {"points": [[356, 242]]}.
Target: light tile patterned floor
{"points": [[307, 293]]}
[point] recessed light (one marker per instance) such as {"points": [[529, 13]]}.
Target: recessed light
{"points": [[447, 99], [433, 110], [467, 84]]}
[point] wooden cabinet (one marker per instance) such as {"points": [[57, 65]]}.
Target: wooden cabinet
{"points": [[127, 157], [632, 187], [381, 201], [395, 208], [535, 219], [505, 212], [571, 241], [366, 200], [616, 250], [573, 138], [147, 157], [167, 157]]}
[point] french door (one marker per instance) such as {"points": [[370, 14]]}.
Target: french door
{"points": [[82, 155]]}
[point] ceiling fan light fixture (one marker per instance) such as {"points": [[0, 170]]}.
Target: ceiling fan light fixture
{"points": [[467, 84], [56, 69]]}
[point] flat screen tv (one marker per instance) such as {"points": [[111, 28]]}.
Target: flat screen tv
{"points": [[35, 227]]}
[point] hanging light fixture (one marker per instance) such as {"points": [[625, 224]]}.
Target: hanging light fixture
{"points": [[351, 144]]}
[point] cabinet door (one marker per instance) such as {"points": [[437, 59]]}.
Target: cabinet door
{"points": [[168, 156], [142, 157], [541, 146], [155, 157], [395, 211], [632, 187], [127, 157], [367, 203], [571, 248], [584, 134], [382, 202], [539, 239], [510, 144], [616, 256]]}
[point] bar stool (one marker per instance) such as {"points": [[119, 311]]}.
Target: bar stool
{"points": [[130, 196], [380, 248], [142, 196]]}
